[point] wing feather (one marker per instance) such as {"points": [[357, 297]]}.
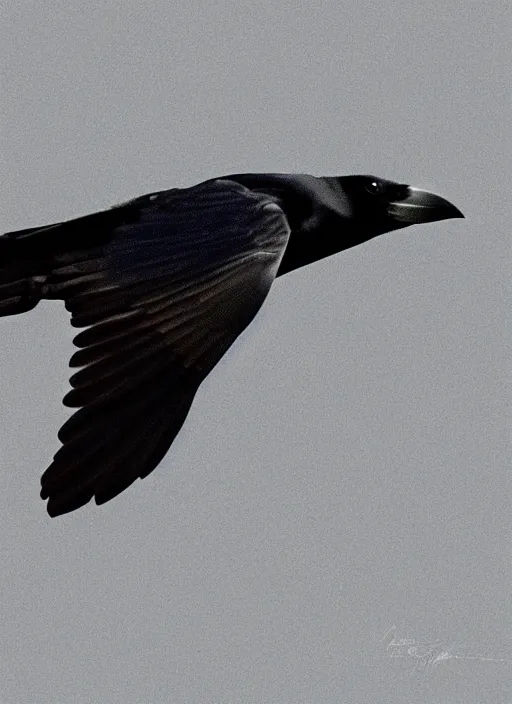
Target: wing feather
{"points": [[162, 300]]}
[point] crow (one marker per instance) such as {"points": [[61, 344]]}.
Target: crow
{"points": [[163, 284]]}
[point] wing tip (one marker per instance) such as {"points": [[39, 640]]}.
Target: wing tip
{"points": [[59, 505]]}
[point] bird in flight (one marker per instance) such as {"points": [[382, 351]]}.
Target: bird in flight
{"points": [[163, 285]]}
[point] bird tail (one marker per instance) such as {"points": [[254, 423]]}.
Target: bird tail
{"points": [[25, 264], [46, 262], [27, 261]]}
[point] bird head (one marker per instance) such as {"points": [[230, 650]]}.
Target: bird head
{"points": [[378, 205]]}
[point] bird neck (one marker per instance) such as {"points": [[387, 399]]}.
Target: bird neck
{"points": [[315, 241]]}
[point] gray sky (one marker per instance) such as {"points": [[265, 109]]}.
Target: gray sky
{"points": [[341, 482]]}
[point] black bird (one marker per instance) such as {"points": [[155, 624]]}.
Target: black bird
{"points": [[164, 284]]}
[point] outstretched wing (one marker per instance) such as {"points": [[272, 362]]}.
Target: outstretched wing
{"points": [[162, 300]]}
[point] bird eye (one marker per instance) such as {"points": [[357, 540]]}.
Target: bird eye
{"points": [[374, 187]]}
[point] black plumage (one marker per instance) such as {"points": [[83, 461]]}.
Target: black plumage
{"points": [[163, 285]]}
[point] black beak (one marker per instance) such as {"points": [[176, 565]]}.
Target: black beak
{"points": [[421, 206]]}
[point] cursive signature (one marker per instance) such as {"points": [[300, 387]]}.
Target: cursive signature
{"points": [[424, 656]]}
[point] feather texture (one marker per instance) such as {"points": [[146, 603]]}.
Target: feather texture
{"points": [[162, 300]]}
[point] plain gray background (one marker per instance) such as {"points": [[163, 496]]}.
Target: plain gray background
{"points": [[333, 522]]}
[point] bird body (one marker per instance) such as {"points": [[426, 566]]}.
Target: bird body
{"points": [[163, 284]]}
